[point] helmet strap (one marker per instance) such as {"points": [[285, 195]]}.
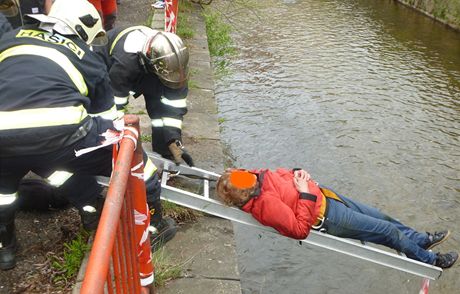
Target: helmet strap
{"points": [[143, 60]]}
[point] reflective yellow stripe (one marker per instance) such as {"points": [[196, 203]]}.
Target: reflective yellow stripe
{"points": [[167, 122], [41, 117], [121, 100], [122, 33], [172, 122], [111, 114], [157, 123], [6, 199], [179, 103], [149, 169], [58, 178], [53, 55]]}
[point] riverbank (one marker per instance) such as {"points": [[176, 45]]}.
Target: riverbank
{"points": [[444, 11], [205, 249]]}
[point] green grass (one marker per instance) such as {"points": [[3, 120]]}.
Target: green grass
{"points": [[146, 138], [67, 266], [192, 84], [184, 29], [165, 269], [148, 22], [220, 42]]}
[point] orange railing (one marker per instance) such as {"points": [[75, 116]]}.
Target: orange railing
{"points": [[120, 259]]}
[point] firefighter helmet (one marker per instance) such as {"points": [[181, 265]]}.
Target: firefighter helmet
{"points": [[166, 56]]}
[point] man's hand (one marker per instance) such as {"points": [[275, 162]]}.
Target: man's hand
{"points": [[301, 179], [179, 153]]}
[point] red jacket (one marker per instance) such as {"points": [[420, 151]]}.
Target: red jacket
{"points": [[280, 206]]}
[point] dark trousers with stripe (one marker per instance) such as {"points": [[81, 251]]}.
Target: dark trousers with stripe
{"points": [[82, 188]]}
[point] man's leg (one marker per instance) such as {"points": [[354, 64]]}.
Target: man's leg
{"points": [[421, 238], [343, 221], [9, 181]]}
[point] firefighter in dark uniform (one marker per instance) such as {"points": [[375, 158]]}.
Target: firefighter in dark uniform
{"points": [[83, 191], [153, 64], [51, 82]]}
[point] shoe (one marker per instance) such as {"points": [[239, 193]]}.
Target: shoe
{"points": [[91, 213], [159, 5], [446, 260], [162, 233], [436, 238], [7, 251]]}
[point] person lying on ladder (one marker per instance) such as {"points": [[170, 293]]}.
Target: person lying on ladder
{"points": [[292, 203]]}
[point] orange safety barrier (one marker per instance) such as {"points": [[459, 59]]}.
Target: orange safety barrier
{"points": [[120, 259], [171, 12]]}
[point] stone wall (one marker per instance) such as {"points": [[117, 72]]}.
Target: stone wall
{"points": [[445, 11]]}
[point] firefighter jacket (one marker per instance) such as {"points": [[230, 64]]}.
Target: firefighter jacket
{"points": [[279, 205], [5, 25], [165, 106], [50, 83]]}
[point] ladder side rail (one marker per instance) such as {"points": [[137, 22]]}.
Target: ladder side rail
{"points": [[170, 165], [345, 246]]}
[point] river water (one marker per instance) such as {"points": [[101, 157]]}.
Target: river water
{"points": [[366, 96]]}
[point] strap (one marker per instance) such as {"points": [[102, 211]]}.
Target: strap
{"points": [[331, 194]]}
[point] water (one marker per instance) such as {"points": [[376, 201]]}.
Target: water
{"points": [[363, 94]]}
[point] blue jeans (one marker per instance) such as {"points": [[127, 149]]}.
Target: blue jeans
{"points": [[365, 223]]}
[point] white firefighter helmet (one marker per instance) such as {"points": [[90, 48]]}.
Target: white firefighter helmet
{"points": [[166, 56], [9, 7], [75, 17]]}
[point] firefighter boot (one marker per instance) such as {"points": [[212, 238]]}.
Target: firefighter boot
{"points": [[162, 229], [91, 213], [8, 242]]}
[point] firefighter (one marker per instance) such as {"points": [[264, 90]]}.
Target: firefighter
{"points": [[51, 81], [153, 64]]}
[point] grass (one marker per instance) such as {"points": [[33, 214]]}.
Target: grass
{"points": [[146, 138], [184, 29], [67, 266], [220, 42], [165, 269]]}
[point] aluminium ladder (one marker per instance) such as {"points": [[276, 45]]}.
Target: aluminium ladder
{"points": [[205, 203]]}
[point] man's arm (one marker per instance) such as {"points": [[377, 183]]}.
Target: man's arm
{"points": [[271, 211]]}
